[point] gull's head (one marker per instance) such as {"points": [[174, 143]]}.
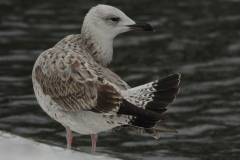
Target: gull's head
{"points": [[107, 22]]}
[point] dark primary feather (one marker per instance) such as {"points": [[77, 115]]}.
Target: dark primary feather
{"points": [[141, 117]]}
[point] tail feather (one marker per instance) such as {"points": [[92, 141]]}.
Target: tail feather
{"points": [[166, 96], [163, 86], [146, 104], [155, 95]]}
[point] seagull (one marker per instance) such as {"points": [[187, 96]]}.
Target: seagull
{"points": [[73, 85]]}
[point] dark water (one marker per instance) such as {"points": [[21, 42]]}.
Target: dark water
{"points": [[198, 39]]}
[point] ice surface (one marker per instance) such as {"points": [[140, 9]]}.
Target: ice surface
{"points": [[13, 147]]}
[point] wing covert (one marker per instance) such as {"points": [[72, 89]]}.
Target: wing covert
{"points": [[73, 82]]}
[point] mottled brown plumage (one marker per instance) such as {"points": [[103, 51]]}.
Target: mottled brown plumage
{"points": [[74, 87]]}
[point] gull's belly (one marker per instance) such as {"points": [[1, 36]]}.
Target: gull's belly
{"points": [[86, 122]]}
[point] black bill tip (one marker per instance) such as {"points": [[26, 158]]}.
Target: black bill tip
{"points": [[141, 26]]}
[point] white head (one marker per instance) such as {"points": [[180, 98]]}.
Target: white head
{"points": [[101, 24]]}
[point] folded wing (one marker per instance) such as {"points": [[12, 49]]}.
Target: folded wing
{"points": [[74, 82]]}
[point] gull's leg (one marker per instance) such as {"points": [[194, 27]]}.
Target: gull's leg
{"points": [[69, 137], [94, 142]]}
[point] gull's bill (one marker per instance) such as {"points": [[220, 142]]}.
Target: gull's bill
{"points": [[141, 26]]}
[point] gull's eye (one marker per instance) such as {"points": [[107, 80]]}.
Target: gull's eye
{"points": [[115, 19]]}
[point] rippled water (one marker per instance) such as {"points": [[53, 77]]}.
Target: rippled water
{"points": [[198, 39]]}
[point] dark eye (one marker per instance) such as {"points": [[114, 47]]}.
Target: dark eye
{"points": [[115, 19]]}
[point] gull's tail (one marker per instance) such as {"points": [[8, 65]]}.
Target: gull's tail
{"points": [[146, 104]]}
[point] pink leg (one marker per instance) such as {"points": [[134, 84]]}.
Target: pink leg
{"points": [[94, 142], [69, 137]]}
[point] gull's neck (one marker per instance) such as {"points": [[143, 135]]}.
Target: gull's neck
{"points": [[99, 45]]}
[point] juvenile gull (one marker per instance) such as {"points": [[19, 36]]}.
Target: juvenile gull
{"points": [[74, 87]]}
